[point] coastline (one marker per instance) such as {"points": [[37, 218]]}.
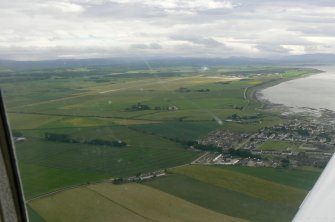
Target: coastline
{"points": [[254, 92]]}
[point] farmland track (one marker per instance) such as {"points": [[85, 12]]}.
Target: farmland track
{"points": [[117, 203], [58, 191]]}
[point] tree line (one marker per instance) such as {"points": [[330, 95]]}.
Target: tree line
{"points": [[65, 138]]}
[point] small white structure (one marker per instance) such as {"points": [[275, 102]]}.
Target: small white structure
{"points": [[19, 139]]}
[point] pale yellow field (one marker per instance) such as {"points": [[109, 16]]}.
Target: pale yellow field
{"points": [[129, 202], [133, 121], [85, 122], [30, 121]]}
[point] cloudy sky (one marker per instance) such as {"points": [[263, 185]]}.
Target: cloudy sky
{"points": [[52, 29]]}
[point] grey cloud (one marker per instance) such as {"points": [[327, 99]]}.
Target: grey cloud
{"points": [[102, 28], [319, 30], [33, 53], [123, 11], [195, 51], [272, 49], [146, 46], [285, 2], [205, 41]]}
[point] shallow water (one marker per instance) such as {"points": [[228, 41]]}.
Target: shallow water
{"points": [[316, 91]]}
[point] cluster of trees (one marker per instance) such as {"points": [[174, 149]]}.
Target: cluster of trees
{"points": [[138, 107], [237, 117], [65, 138], [196, 145], [238, 107], [303, 132], [141, 107], [244, 153], [285, 162], [245, 119], [186, 90], [202, 90], [118, 180], [324, 136], [105, 142], [183, 89], [225, 83]]}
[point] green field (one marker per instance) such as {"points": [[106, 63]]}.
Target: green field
{"points": [[131, 202], [298, 178], [39, 179], [243, 183], [278, 145], [184, 130], [222, 200], [257, 194], [47, 166]]}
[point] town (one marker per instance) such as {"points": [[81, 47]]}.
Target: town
{"points": [[294, 143]]}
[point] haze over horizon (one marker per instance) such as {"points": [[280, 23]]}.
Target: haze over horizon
{"points": [[76, 29]]}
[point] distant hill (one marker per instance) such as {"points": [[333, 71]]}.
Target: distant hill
{"points": [[307, 59], [138, 62], [311, 59], [47, 64]]}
